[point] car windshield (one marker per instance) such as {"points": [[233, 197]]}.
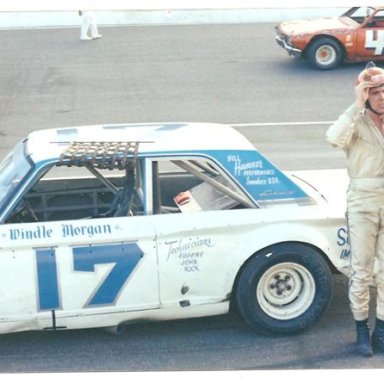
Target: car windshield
{"points": [[357, 15], [12, 170]]}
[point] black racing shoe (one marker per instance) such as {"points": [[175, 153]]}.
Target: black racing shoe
{"points": [[378, 340], [364, 345]]}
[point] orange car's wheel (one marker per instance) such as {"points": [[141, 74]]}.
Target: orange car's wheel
{"points": [[324, 53]]}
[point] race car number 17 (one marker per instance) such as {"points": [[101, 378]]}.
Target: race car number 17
{"points": [[124, 256]]}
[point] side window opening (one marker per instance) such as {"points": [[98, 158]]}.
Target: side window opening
{"points": [[75, 194], [81, 189], [368, 17], [182, 185]]}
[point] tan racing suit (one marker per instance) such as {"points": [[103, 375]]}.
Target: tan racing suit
{"points": [[363, 144]]}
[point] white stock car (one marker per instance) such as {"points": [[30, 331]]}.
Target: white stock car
{"points": [[106, 225]]}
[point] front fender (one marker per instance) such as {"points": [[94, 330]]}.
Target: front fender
{"points": [[322, 237]]}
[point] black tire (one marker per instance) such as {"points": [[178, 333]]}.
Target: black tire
{"points": [[284, 289], [324, 53]]}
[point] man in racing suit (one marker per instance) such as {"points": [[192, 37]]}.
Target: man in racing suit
{"points": [[360, 132]]}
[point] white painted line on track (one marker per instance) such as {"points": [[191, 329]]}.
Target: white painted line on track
{"points": [[282, 124]]}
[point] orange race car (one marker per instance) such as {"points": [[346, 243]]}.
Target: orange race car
{"points": [[355, 36]]}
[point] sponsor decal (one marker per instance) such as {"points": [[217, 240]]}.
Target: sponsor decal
{"points": [[189, 252], [343, 243], [254, 172], [260, 177], [64, 231]]}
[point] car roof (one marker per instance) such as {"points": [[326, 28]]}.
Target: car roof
{"points": [[375, 7], [153, 138]]}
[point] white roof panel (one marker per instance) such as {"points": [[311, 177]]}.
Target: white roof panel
{"points": [[155, 138]]}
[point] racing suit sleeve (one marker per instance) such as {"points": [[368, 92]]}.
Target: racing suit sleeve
{"points": [[340, 133]]}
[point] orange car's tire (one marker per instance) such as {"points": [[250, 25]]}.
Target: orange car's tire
{"points": [[324, 53]]}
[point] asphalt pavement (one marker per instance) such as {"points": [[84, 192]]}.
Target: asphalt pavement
{"points": [[233, 74]]}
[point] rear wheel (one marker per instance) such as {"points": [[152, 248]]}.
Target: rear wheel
{"points": [[324, 53], [284, 289]]}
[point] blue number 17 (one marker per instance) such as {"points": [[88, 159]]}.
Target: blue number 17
{"points": [[124, 256]]}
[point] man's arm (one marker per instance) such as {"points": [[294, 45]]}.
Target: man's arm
{"points": [[341, 131]]}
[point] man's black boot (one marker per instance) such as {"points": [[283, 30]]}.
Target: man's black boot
{"points": [[363, 339], [378, 336]]}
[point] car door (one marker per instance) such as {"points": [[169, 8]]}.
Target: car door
{"points": [[370, 38], [194, 207], [74, 274], [195, 250]]}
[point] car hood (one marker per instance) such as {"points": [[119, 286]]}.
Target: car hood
{"points": [[293, 27]]}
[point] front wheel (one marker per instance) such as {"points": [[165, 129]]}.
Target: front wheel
{"points": [[284, 289], [324, 53]]}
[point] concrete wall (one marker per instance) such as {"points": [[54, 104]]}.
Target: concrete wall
{"points": [[27, 18]]}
